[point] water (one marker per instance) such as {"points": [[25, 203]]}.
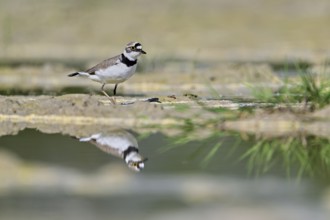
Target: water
{"points": [[219, 164], [54, 176]]}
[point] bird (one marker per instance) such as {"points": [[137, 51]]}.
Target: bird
{"points": [[119, 143], [116, 69]]}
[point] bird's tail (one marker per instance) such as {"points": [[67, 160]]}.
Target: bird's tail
{"points": [[84, 74], [73, 74]]}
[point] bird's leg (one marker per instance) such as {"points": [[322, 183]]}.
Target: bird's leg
{"points": [[112, 100], [115, 90]]}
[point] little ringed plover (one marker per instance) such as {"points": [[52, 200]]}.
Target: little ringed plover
{"points": [[121, 144], [116, 69]]}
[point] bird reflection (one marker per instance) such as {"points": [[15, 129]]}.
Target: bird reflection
{"points": [[121, 144]]}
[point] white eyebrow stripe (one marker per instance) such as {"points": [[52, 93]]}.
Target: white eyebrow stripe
{"points": [[139, 47]]}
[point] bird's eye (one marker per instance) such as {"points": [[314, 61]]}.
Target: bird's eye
{"points": [[132, 48]]}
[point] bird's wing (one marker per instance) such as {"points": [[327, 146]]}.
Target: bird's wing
{"points": [[104, 64], [106, 148]]}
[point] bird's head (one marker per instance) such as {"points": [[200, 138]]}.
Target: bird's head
{"points": [[136, 163], [133, 50]]}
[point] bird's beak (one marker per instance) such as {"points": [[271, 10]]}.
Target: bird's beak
{"points": [[143, 52]]}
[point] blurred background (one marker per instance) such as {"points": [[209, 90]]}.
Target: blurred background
{"points": [[211, 49], [209, 30]]}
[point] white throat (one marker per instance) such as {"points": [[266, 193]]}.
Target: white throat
{"points": [[132, 56], [134, 156]]}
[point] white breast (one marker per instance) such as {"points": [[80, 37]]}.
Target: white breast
{"points": [[115, 74], [117, 141]]}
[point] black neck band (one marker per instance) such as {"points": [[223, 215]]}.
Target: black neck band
{"points": [[126, 61], [129, 150]]}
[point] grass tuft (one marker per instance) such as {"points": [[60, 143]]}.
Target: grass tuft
{"points": [[312, 89]]}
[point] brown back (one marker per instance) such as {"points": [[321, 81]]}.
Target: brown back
{"points": [[104, 64]]}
